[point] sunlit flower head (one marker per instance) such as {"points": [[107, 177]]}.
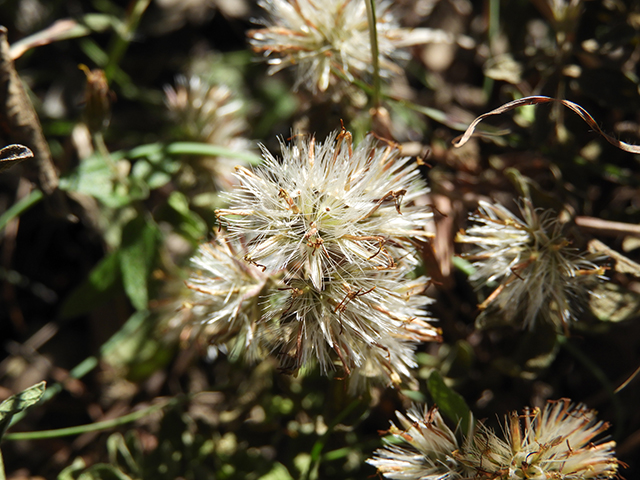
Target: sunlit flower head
{"points": [[321, 38], [326, 205], [339, 223], [207, 113], [556, 442], [540, 275], [431, 453]]}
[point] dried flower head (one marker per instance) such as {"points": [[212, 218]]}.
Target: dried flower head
{"points": [[431, 453], [553, 442], [338, 223], [206, 113], [322, 38], [331, 39], [539, 273]]}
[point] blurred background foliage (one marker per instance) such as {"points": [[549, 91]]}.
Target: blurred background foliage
{"points": [[147, 105]]}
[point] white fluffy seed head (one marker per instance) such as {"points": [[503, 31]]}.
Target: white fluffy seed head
{"points": [[224, 297], [321, 38], [207, 113], [326, 205], [336, 226], [540, 275]]}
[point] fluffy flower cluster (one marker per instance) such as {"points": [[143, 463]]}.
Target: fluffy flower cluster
{"points": [[330, 39], [321, 38], [207, 113], [319, 259], [556, 442], [538, 272]]}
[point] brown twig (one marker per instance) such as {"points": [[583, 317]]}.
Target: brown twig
{"points": [[606, 227], [19, 124]]}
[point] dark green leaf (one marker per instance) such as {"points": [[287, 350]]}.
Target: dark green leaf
{"points": [[94, 177], [450, 403], [98, 288], [191, 224], [20, 207], [140, 238], [135, 350]]}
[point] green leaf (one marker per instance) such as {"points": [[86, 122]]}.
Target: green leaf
{"points": [[19, 402], [154, 174], [97, 289], [140, 238], [463, 265], [191, 225], [278, 472], [450, 403], [613, 303], [414, 396], [135, 350], [70, 472], [95, 177], [20, 207], [191, 148]]}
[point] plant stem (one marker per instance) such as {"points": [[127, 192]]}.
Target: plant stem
{"points": [[77, 372], [121, 41], [375, 60], [597, 372], [2, 474], [492, 34], [91, 427], [312, 472]]}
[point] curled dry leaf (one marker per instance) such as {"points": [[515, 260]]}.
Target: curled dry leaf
{"points": [[12, 155], [537, 100]]}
